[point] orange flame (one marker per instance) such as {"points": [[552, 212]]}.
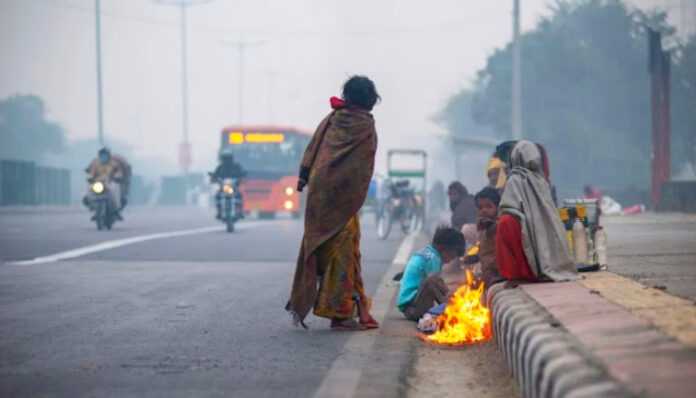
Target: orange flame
{"points": [[474, 250], [464, 320]]}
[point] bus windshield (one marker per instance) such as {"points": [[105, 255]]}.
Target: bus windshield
{"points": [[266, 151]]}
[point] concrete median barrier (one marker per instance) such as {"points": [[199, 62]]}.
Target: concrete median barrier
{"points": [[544, 359], [572, 339]]}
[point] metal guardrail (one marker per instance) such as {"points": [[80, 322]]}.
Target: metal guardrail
{"points": [[678, 196], [25, 183]]}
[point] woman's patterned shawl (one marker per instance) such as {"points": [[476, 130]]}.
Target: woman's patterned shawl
{"points": [[339, 161]]}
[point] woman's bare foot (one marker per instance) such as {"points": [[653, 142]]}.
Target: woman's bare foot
{"points": [[365, 316], [346, 324]]}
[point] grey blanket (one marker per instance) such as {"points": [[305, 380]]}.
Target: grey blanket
{"points": [[527, 197]]}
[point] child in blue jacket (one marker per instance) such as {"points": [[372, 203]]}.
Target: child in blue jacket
{"points": [[421, 285]]}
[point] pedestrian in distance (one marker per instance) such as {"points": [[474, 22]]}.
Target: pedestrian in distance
{"points": [[422, 287], [462, 205], [336, 168]]}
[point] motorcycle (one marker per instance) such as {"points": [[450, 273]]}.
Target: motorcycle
{"points": [[230, 201], [401, 205], [100, 201]]}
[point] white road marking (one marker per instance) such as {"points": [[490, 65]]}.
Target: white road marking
{"points": [[112, 244], [343, 377]]}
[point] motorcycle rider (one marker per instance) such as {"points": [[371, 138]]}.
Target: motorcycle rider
{"points": [[228, 168], [125, 182], [116, 177]]}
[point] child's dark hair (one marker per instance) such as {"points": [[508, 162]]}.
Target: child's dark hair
{"points": [[459, 187], [450, 239], [490, 194], [360, 91]]}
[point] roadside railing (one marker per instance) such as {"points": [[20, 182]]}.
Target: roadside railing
{"points": [[24, 183]]}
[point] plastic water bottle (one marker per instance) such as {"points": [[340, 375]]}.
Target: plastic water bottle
{"points": [[579, 242], [601, 247]]}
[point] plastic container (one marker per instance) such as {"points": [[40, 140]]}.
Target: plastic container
{"points": [[579, 242], [588, 208], [601, 247], [590, 246]]}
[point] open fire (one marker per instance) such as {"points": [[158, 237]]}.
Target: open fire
{"points": [[465, 320]]}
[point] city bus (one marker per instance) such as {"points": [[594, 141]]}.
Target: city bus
{"points": [[271, 156]]}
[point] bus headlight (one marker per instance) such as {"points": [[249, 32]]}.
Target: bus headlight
{"points": [[288, 205], [289, 191], [98, 187]]}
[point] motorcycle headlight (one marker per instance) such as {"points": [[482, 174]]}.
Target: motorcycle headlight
{"points": [[228, 189], [98, 187], [289, 191], [288, 205]]}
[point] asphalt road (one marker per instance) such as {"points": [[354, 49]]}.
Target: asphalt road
{"points": [[200, 315], [657, 250]]}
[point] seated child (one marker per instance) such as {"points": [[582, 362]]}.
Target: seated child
{"points": [[422, 286], [487, 201]]}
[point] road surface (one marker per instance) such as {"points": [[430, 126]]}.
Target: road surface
{"points": [[198, 315], [202, 314]]}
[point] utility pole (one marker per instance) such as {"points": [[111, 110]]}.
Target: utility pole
{"points": [[184, 77], [516, 75], [100, 103], [241, 46], [682, 16], [659, 62], [271, 91], [185, 148]]}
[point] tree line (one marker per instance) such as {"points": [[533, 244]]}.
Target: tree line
{"points": [[586, 94]]}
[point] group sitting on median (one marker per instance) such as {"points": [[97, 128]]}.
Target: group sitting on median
{"points": [[520, 234], [521, 237]]}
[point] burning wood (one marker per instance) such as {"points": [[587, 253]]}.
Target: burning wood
{"points": [[465, 320]]}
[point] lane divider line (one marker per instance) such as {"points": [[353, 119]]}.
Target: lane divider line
{"points": [[343, 377], [112, 244]]}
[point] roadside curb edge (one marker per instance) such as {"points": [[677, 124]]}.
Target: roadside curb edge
{"points": [[541, 355], [343, 377]]}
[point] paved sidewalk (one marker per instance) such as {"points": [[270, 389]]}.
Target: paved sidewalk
{"points": [[628, 332], [618, 337], [393, 361]]}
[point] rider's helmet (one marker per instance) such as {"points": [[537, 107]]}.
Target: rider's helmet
{"points": [[226, 156], [104, 155]]}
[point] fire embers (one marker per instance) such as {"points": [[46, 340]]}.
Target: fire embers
{"points": [[465, 320]]}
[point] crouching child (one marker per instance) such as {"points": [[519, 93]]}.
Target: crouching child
{"points": [[422, 287]]}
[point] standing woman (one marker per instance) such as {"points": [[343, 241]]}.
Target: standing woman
{"points": [[337, 168]]}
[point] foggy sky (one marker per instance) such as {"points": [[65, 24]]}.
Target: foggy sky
{"points": [[418, 53]]}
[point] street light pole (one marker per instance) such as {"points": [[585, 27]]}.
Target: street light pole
{"points": [[241, 46], [100, 105], [184, 81], [271, 92], [185, 149], [516, 75]]}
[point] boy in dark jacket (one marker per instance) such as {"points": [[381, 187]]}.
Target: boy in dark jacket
{"points": [[487, 201]]}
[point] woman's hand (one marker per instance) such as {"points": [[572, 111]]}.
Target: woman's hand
{"points": [[301, 184]]}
